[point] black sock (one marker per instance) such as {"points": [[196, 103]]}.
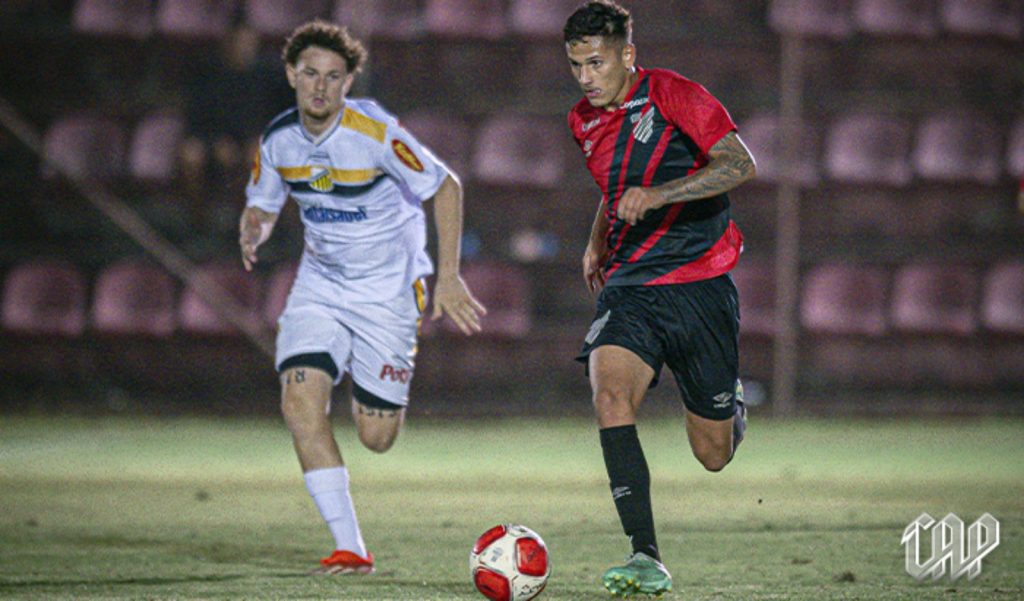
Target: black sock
{"points": [[630, 482]]}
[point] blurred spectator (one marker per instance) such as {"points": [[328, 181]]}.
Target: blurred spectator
{"points": [[231, 96]]}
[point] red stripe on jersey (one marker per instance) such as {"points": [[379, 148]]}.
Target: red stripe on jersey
{"points": [[614, 203], [719, 259], [670, 217]]}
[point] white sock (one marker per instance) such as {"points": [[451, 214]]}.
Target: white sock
{"points": [[329, 489]]}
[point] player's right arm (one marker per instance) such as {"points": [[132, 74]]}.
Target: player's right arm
{"points": [[596, 254], [254, 229], [265, 194]]}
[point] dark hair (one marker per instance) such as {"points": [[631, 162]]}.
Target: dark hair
{"points": [[600, 18], [328, 36]]}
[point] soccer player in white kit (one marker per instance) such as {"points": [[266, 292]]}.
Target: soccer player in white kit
{"points": [[359, 179]]}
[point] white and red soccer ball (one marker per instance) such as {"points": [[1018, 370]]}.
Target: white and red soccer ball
{"points": [[509, 562]]}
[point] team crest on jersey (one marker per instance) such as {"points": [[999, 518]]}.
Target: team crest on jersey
{"points": [[406, 155], [321, 180], [256, 168], [644, 127]]}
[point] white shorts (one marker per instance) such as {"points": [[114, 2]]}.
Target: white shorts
{"points": [[375, 342]]}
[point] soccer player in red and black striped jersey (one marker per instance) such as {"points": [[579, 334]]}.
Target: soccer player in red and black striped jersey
{"points": [[665, 153]]}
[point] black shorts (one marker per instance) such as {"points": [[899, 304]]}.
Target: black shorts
{"points": [[693, 328]]}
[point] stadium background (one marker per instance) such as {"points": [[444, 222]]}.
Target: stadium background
{"points": [[893, 244], [141, 455]]}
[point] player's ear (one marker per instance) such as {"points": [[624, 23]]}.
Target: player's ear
{"points": [[629, 56], [290, 72]]}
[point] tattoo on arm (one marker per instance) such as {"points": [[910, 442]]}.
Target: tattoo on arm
{"points": [[731, 164]]}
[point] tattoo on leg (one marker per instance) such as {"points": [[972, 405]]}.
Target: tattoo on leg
{"points": [[372, 412], [300, 376]]}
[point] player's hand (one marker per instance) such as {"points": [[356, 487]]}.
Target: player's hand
{"points": [[636, 202], [253, 230], [594, 259], [453, 298]]}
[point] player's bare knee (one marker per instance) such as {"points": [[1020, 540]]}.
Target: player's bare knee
{"points": [[612, 405], [713, 460], [377, 442]]}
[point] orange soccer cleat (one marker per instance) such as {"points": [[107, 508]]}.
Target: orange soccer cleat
{"points": [[346, 562]]}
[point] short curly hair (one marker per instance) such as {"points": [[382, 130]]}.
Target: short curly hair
{"points": [[603, 18], [328, 36]]}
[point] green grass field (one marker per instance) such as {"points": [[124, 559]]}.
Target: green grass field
{"points": [[146, 508]]}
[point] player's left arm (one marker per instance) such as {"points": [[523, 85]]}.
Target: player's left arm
{"points": [[451, 295], [730, 164]]}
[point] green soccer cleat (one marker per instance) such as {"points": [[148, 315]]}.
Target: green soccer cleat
{"points": [[642, 574]]}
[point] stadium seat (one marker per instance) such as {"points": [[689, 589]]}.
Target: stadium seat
{"points": [[278, 287], [153, 153], [466, 18], [131, 18], [934, 299], [518, 150], [1015, 150], [763, 135], [1000, 18], [951, 147], [447, 135], [134, 297], [896, 17], [1002, 304], [504, 289], [195, 18], [755, 283], [542, 18], [195, 316], [276, 18], [844, 299], [868, 149], [828, 18], [388, 18], [44, 297], [85, 146]]}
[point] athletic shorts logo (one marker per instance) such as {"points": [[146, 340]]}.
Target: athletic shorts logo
{"points": [[390, 372], [595, 328], [406, 155], [722, 399], [950, 548]]}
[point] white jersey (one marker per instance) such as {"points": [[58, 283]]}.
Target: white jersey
{"points": [[359, 187]]}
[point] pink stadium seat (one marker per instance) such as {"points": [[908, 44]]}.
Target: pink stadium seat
{"points": [[466, 18], [195, 18], [1000, 18], [154, 146], [896, 17], [518, 150], [504, 289], [446, 135], [935, 299], [829, 18], [195, 316], [134, 297], [389, 18], [276, 18], [541, 17], [755, 282], [845, 299], [1002, 305], [276, 297], [44, 297], [1015, 150], [85, 146], [763, 135], [132, 18], [868, 148], [952, 147]]}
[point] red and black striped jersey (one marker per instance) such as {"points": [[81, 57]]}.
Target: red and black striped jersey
{"points": [[662, 131]]}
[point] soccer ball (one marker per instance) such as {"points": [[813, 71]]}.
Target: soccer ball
{"points": [[509, 562]]}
